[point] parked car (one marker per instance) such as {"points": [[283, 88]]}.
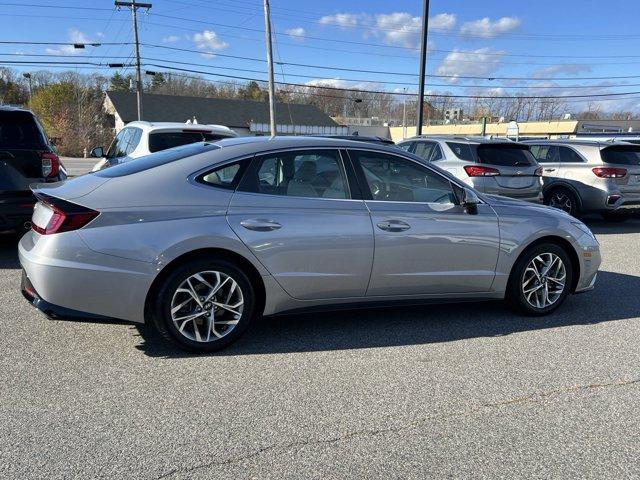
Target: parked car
{"points": [[140, 138], [587, 176], [498, 167], [26, 156], [200, 239]]}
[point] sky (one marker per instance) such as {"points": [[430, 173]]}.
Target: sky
{"points": [[576, 47]]}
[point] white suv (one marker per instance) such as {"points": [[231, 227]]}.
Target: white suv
{"points": [[139, 138]]}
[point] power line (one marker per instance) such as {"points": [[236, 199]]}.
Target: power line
{"points": [[523, 97]]}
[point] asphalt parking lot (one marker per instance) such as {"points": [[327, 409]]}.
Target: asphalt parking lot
{"points": [[466, 390]]}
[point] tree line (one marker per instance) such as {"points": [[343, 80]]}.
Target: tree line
{"points": [[70, 104]]}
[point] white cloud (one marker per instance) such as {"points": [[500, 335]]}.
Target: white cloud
{"points": [[75, 36], [344, 20], [171, 39], [340, 83], [485, 28], [443, 21], [482, 62], [207, 41], [297, 33], [569, 69]]}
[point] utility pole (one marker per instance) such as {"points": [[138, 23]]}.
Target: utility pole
{"points": [[134, 8], [404, 114], [423, 63], [272, 93], [27, 75]]}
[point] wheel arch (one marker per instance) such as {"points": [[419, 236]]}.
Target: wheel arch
{"points": [[547, 189], [562, 243], [207, 253]]}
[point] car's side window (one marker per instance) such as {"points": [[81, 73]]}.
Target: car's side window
{"points": [[301, 173], [225, 176], [545, 153], [425, 150], [569, 155], [406, 146], [437, 154], [396, 179], [462, 151]]}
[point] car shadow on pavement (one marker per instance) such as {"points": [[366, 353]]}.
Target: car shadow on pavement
{"points": [[9, 251], [615, 298]]}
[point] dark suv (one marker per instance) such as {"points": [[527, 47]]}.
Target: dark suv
{"points": [[26, 156]]}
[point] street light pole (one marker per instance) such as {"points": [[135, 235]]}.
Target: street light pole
{"points": [[27, 75], [272, 93], [423, 64], [134, 8], [404, 114]]}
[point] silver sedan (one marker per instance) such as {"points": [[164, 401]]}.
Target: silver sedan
{"points": [[202, 239]]}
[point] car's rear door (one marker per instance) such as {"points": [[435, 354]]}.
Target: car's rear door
{"points": [[296, 211], [518, 170], [425, 241]]}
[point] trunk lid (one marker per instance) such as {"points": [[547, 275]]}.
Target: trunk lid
{"points": [[70, 189]]}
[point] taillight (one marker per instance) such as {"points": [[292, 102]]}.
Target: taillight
{"points": [[538, 172], [477, 171], [50, 164], [52, 215], [609, 172]]}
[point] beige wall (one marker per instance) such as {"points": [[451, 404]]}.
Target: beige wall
{"points": [[528, 129]]}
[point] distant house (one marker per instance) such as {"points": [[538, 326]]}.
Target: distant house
{"points": [[245, 117]]}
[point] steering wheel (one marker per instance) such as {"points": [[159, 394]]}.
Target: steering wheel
{"points": [[376, 189]]}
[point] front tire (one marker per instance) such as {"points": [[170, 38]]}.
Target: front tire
{"points": [[540, 280], [204, 305]]}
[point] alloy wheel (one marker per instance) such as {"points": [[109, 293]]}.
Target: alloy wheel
{"points": [[544, 280], [207, 306], [562, 201]]}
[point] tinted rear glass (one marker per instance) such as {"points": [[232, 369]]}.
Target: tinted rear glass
{"points": [[19, 130], [621, 155], [463, 151], [155, 160], [506, 155], [164, 140]]}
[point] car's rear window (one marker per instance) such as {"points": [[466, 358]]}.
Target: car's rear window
{"points": [[155, 160], [164, 140], [506, 155], [621, 155], [20, 130]]}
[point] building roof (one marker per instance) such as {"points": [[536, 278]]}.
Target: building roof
{"points": [[221, 111]]}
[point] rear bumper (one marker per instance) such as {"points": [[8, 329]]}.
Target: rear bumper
{"points": [[69, 280], [16, 211], [55, 312]]}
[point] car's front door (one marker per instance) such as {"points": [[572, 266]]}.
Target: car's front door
{"points": [[295, 211], [425, 241]]}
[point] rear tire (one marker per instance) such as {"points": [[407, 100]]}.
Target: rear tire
{"points": [[530, 290], [204, 305], [563, 199]]}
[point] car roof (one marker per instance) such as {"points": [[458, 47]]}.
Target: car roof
{"points": [[266, 143], [11, 108], [458, 138], [576, 141], [361, 138], [150, 126]]}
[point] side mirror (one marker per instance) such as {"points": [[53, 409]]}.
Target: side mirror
{"points": [[97, 152], [470, 201]]}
